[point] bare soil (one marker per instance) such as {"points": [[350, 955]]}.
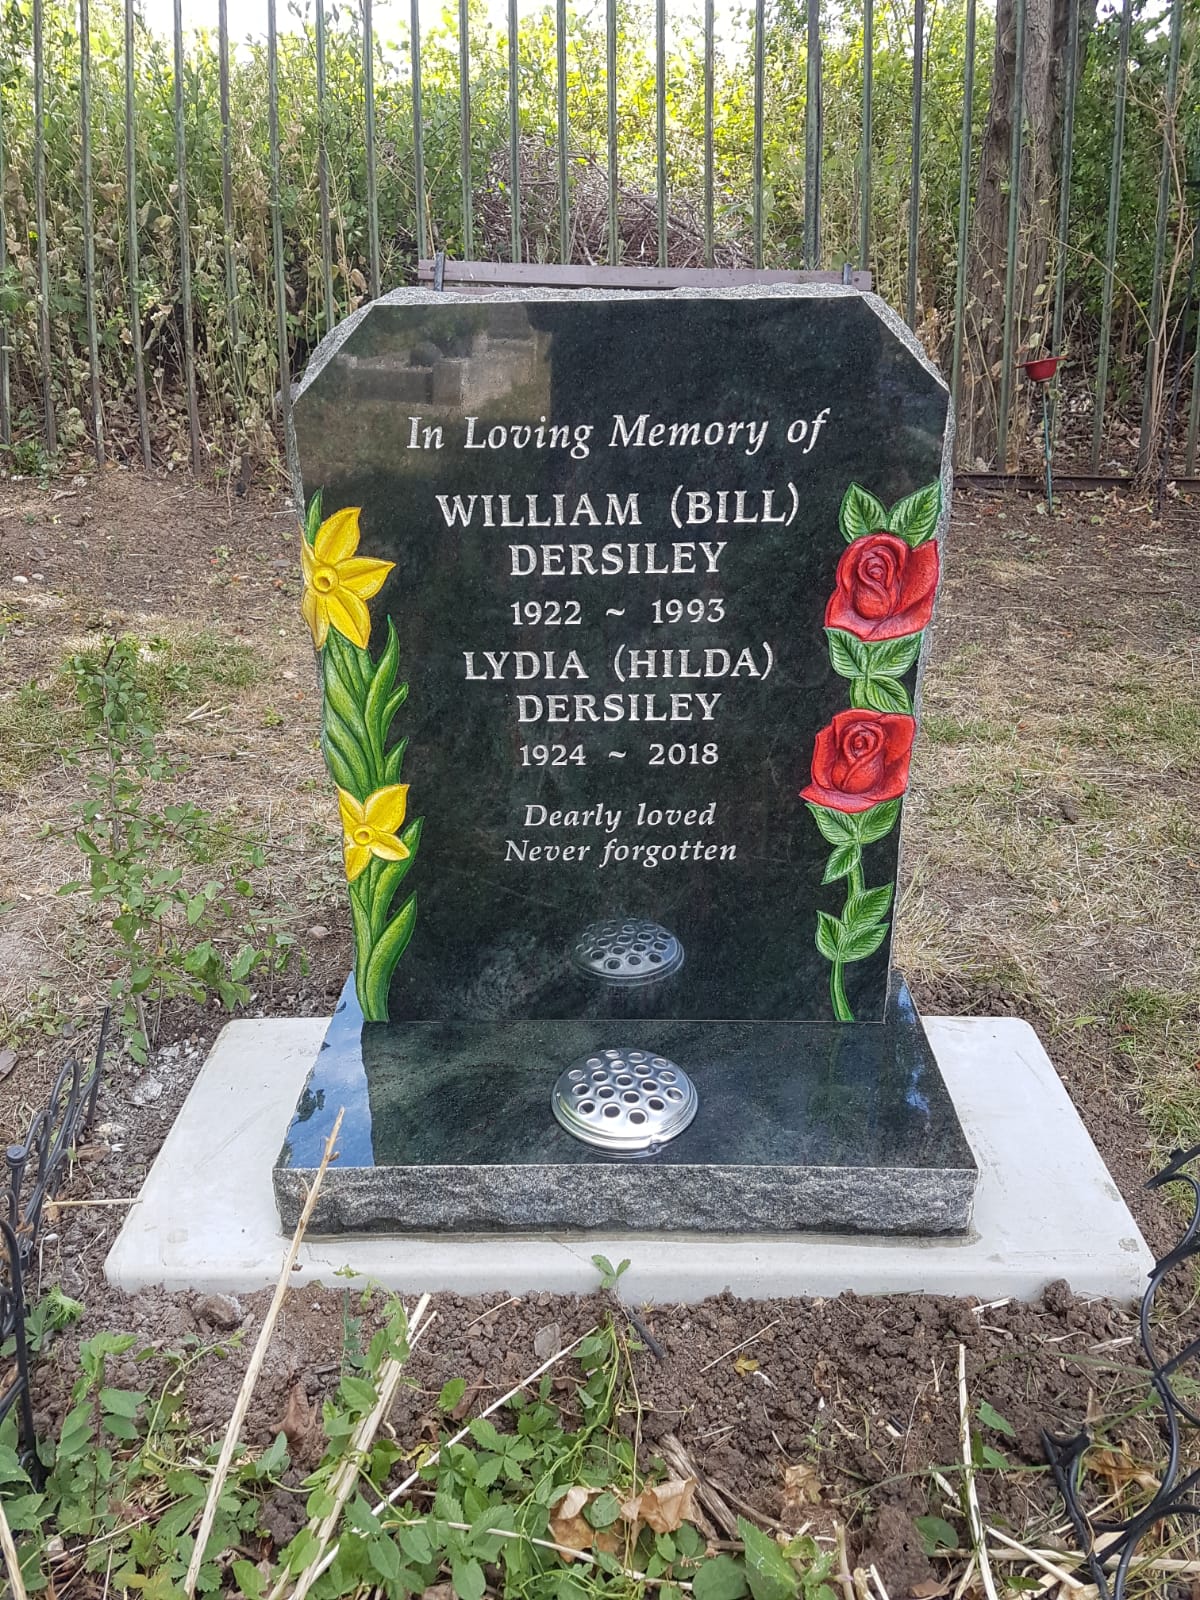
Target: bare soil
{"points": [[1052, 871]]}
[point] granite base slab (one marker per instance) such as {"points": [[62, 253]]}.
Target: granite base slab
{"points": [[835, 1128]]}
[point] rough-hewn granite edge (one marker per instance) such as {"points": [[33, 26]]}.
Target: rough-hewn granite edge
{"points": [[630, 1196]]}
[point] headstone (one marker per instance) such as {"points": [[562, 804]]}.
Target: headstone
{"points": [[619, 601]]}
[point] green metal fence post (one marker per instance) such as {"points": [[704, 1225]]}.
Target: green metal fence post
{"points": [[330, 307], [660, 124], [464, 128], [1157, 341], [89, 227], [43, 254], [185, 246], [864, 198], [914, 180], [1065, 162], [760, 28], [276, 204], [964, 209], [514, 125], [418, 121], [131, 212], [812, 138], [372, 174], [1110, 241], [1010, 259]]}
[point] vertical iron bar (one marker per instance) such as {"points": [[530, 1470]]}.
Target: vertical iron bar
{"points": [[610, 92], [185, 245], [369, 112], [660, 123], [281, 335], [322, 173], [89, 231], [564, 182], [1110, 241], [414, 35], [812, 140], [709, 130], [1065, 162], [964, 208], [514, 124], [864, 218], [1157, 342], [760, 18], [39, 182], [464, 127], [1189, 463], [914, 181], [5, 377], [135, 288], [1014, 206], [232, 318]]}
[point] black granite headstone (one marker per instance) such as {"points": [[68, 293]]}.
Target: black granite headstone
{"points": [[620, 744]]}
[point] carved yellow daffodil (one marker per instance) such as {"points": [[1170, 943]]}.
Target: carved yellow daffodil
{"points": [[370, 827], [338, 584]]}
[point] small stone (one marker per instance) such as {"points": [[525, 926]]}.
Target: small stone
{"points": [[111, 1130], [219, 1311], [318, 931], [547, 1340], [1068, 808], [290, 676], [147, 1091], [38, 577], [19, 578]]}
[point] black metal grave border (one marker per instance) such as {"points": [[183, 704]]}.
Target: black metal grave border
{"points": [[1109, 1566], [33, 1174]]}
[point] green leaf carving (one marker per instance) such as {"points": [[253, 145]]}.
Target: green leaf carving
{"points": [[848, 656], [868, 905], [880, 694], [838, 827], [373, 979], [891, 658], [878, 822], [843, 860], [829, 935], [860, 513], [915, 518], [858, 943]]}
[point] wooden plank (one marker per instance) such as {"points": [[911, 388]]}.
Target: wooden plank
{"points": [[469, 276]]}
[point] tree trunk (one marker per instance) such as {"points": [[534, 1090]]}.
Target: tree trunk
{"points": [[1046, 39]]}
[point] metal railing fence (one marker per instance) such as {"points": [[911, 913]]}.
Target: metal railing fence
{"points": [[180, 220]]}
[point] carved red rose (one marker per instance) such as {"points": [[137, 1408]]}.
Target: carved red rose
{"points": [[860, 760], [884, 588]]}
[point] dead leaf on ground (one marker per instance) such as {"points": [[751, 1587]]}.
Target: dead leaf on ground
{"points": [[547, 1340], [8, 1060], [1119, 1467], [745, 1364], [801, 1489], [663, 1507], [570, 1528], [299, 1418], [929, 1590]]}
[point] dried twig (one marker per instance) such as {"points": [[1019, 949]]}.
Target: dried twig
{"points": [[258, 1356], [713, 1501], [845, 1581], [974, 1519], [738, 1347], [1038, 1559], [11, 1563]]}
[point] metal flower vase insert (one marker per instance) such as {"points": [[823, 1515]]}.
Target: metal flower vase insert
{"points": [[361, 700]]}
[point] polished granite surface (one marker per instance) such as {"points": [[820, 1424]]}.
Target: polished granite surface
{"points": [[800, 1126]]}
